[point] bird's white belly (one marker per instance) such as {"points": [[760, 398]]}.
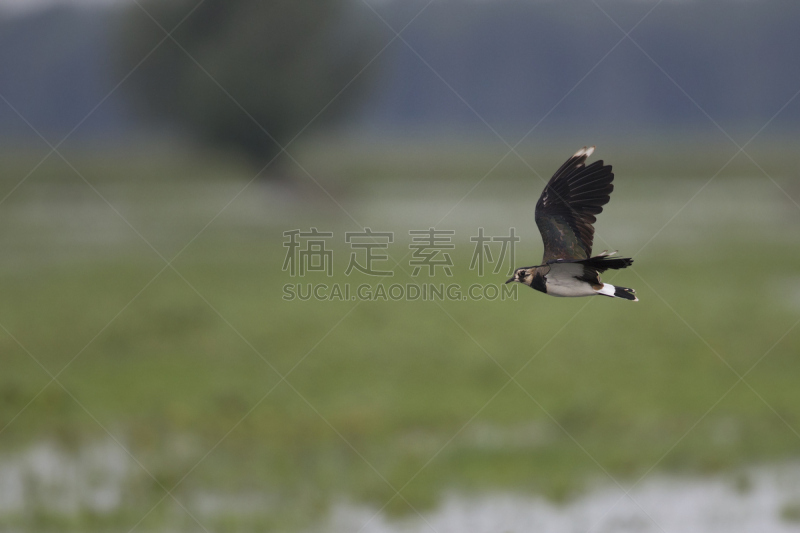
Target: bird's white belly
{"points": [[560, 281]]}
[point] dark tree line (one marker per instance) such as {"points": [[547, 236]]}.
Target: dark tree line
{"points": [[259, 71]]}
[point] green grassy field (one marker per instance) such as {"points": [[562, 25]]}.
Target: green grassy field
{"points": [[182, 364]]}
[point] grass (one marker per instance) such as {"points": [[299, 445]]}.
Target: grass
{"points": [[183, 367]]}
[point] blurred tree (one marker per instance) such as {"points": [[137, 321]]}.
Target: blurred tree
{"points": [[248, 74]]}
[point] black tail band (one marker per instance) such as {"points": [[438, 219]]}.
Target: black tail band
{"points": [[624, 292]]}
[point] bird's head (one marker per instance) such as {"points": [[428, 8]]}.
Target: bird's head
{"points": [[522, 275]]}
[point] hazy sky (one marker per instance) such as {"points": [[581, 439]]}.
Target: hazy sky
{"points": [[21, 6]]}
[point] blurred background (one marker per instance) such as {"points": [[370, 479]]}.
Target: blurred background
{"points": [[154, 376]]}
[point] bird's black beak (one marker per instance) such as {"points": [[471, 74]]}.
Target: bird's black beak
{"points": [[513, 278]]}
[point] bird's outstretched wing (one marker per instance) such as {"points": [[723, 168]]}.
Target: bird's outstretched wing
{"points": [[566, 210]]}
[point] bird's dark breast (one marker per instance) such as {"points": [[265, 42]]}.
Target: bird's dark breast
{"points": [[539, 282], [560, 240]]}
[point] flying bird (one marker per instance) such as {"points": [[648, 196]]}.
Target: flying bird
{"points": [[564, 214]]}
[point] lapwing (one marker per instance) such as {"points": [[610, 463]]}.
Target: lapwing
{"points": [[564, 214]]}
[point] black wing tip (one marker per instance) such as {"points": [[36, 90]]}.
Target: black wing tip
{"points": [[605, 261], [597, 165], [575, 161]]}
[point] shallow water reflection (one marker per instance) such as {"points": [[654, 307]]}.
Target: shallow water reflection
{"points": [[766, 499]]}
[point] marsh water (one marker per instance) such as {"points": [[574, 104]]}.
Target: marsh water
{"points": [[97, 478]]}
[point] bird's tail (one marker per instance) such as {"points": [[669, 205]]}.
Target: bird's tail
{"points": [[618, 292]]}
